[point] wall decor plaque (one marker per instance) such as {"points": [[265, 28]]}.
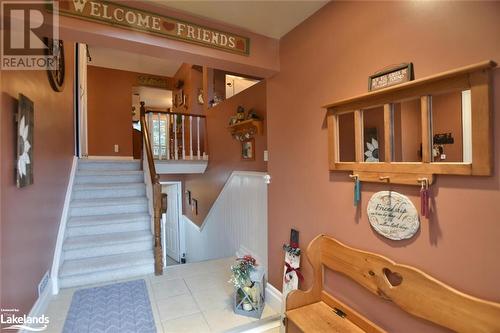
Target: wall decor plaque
{"points": [[119, 15], [393, 215], [390, 77], [25, 127]]}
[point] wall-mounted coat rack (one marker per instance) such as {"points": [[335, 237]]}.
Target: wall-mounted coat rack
{"points": [[386, 136]]}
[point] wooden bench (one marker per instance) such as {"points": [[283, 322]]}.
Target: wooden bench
{"points": [[417, 293]]}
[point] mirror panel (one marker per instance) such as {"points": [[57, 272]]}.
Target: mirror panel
{"points": [[347, 143], [451, 127], [407, 125], [373, 134]]}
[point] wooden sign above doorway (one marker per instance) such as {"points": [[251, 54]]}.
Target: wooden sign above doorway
{"points": [[138, 20]]}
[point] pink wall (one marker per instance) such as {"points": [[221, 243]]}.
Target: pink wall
{"points": [[225, 152], [329, 57], [30, 216]]}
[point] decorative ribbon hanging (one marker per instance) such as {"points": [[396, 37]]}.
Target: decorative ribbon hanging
{"points": [[296, 270], [424, 198], [357, 191]]}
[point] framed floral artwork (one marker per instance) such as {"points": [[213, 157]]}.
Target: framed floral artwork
{"points": [[248, 150], [371, 145], [25, 126]]}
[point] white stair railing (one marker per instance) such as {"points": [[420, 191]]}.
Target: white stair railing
{"points": [[173, 136]]}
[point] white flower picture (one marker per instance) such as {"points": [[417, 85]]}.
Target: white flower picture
{"points": [[25, 136], [372, 151], [24, 158]]}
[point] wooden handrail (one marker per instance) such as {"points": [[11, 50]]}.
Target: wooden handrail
{"points": [[156, 195]]}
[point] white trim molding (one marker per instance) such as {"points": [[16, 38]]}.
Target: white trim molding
{"points": [[41, 304], [56, 262], [274, 298]]}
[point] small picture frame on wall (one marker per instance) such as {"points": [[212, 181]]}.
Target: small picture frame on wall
{"points": [[179, 98], [188, 197], [194, 206], [391, 76], [248, 150], [25, 127]]}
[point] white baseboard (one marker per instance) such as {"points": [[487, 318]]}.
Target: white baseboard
{"points": [[127, 158], [54, 272], [41, 303], [274, 298]]}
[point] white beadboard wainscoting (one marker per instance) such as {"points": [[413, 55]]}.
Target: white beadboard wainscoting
{"points": [[237, 222]]}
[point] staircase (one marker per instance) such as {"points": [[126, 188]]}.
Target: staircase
{"points": [[108, 234]]}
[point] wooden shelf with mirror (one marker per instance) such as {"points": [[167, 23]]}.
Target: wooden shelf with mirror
{"points": [[441, 124], [250, 126]]}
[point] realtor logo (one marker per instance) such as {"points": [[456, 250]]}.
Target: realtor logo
{"points": [[27, 29]]}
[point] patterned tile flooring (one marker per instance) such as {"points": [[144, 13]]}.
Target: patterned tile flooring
{"points": [[186, 298]]}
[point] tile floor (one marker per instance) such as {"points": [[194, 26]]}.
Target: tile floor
{"points": [[171, 262], [186, 298]]}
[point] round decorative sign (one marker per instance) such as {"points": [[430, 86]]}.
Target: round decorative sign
{"points": [[393, 215]]}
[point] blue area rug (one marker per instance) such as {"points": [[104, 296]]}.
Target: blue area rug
{"points": [[120, 307]]}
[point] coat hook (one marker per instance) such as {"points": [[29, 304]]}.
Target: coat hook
{"points": [[354, 176], [387, 178], [423, 181]]}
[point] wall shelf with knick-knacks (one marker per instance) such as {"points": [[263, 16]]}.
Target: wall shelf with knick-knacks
{"points": [[246, 129], [395, 134]]}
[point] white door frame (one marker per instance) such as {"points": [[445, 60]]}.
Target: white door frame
{"points": [[81, 100], [180, 221]]}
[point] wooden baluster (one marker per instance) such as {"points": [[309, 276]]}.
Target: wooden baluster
{"points": [[198, 136], [176, 148], [159, 135], [183, 134], [190, 137], [167, 134]]}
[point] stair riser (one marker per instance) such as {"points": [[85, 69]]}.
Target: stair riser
{"points": [[107, 228], [109, 193], [106, 276], [121, 166], [100, 251], [110, 209], [108, 179]]}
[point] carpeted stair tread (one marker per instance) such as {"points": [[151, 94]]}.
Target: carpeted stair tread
{"points": [[109, 202], [106, 239], [106, 186], [109, 172], [105, 263], [78, 221]]}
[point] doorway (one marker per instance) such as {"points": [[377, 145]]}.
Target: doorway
{"points": [[172, 226]]}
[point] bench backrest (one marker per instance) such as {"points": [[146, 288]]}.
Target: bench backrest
{"points": [[411, 289]]}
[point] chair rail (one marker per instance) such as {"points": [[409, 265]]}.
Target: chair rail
{"points": [[156, 192]]}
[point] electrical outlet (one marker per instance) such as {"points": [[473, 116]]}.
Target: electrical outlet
{"points": [[117, 148], [43, 283]]}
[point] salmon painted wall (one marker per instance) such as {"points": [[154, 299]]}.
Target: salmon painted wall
{"points": [[225, 152], [30, 216], [110, 110], [329, 57]]}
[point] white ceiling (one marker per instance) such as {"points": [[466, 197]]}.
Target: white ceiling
{"points": [[116, 59], [269, 18]]}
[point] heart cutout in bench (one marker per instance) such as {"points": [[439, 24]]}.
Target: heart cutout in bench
{"points": [[394, 278]]}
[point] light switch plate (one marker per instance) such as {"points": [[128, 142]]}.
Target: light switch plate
{"points": [[266, 155], [117, 148]]}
